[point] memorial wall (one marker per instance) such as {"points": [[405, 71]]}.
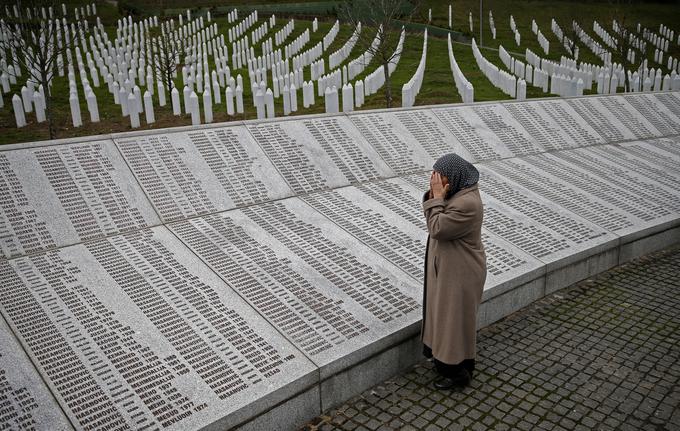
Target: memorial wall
{"points": [[244, 273]]}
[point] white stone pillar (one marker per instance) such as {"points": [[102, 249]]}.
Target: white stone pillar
{"points": [[229, 97], [207, 104], [132, 108], [19, 115], [239, 99], [286, 100], [347, 98], [293, 98], [148, 108], [193, 109], [161, 93], [92, 106], [269, 103], [75, 110], [258, 100]]}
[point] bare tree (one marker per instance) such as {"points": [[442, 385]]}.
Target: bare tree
{"points": [[377, 19], [35, 42], [166, 49], [626, 42]]}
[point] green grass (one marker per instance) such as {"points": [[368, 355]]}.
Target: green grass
{"points": [[438, 85]]}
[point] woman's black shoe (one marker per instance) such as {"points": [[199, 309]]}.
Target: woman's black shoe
{"points": [[460, 380]]}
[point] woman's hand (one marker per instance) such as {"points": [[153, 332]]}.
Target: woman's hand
{"points": [[438, 189]]}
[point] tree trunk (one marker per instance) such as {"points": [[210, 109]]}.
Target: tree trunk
{"points": [[388, 84], [48, 104]]}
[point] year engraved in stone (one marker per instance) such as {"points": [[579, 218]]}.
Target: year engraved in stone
{"points": [[467, 135], [372, 229], [81, 176], [596, 119], [498, 259], [371, 290], [173, 189], [299, 308], [289, 158], [21, 230], [343, 151], [231, 164], [427, 132], [380, 134], [220, 346], [508, 134]]}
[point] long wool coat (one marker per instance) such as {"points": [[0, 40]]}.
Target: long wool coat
{"points": [[455, 271]]}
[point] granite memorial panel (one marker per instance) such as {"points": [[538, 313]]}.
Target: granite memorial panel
{"points": [[408, 140], [319, 153], [553, 124], [613, 208], [329, 294], [133, 331], [63, 194], [26, 401], [658, 114], [202, 171]]}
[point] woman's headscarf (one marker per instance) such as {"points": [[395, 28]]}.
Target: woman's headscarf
{"points": [[460, 173]]}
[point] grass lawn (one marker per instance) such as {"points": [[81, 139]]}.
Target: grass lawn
{"points": [[438, 85]]}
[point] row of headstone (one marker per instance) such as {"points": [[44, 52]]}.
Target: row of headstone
{"points": [[358, 64], [240, 29], [542, 40], [283, 34], [296, 45], [594, 46], [232, 16], [257, 34], [464, 87], [657, 40], [330, 36], [608, 39], [568, 44], [376, 79], [337, 57], [667, 32], [513, 27], [672, 64], [410, 89]]}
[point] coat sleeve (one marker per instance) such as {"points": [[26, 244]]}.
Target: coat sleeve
{"points": [[448, 223]]}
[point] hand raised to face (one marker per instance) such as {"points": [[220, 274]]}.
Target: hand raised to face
{"points": [[439, 190]]}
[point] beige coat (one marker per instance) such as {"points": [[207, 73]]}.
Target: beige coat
{"points": [[455, 271]]}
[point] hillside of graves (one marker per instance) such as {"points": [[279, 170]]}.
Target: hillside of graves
{"points": [[239, 64]]}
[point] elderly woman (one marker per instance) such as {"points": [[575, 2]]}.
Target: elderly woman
{"points": [[455, 270]]}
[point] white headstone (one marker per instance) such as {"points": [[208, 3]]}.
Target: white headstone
{"points": [[133, 110], [207, 105], [269, 103], [239, 99], [148, 108], [258, 100], [176, 104], [193, 109], [18, 107], [229, 97], [75, 110], [293, 98]]}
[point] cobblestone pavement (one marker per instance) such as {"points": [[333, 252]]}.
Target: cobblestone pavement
{"points": [[603, 354]]}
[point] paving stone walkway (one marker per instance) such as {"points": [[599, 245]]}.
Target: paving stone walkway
{"points": [[601, 355]]}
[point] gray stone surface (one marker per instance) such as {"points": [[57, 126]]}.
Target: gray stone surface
{"points": [[319, 153], [613, 118], [554, 124], [26, 402], [290, 267], [135, 330], [334, 298], [408, 140], [59, 195], [601, 355], [202, 171]]}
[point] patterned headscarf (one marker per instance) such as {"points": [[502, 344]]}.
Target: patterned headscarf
{"points": [[460, 173]]}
